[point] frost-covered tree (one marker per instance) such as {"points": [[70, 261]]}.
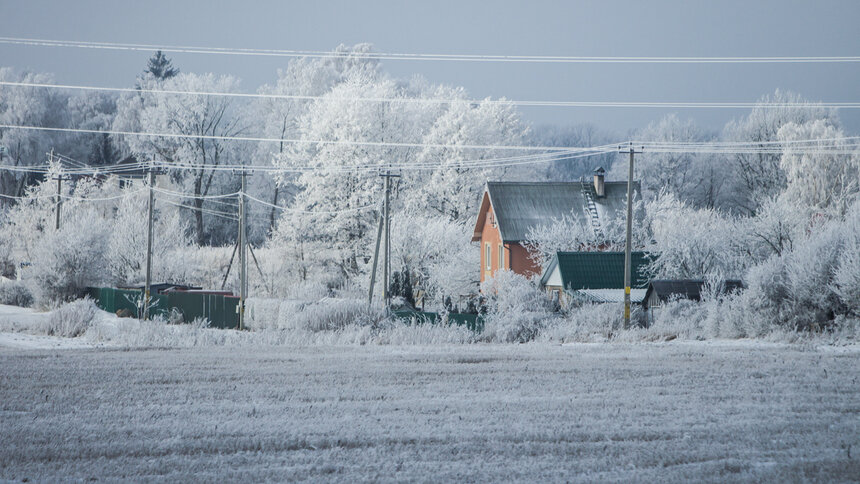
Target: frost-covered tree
{"points": [[824, 175], [339, 194], [579, 135], [691, 177], [91, 111], [433, 251], [693, 242], [127, 241], [199, 120], [573, 233], [451, 189], [279, 118], [813, 285], [774, 230], [27, 106], [756, 177]]}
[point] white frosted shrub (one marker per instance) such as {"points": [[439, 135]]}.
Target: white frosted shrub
{"points": [[586, 323], [846, 277], [517, 309], [327, 314], [72, 319], [66, 261], [680, 318], [333, 314], [14, 293]]}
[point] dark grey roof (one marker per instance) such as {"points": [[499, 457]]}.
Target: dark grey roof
{"points": [[666, 289], [519, 206]]}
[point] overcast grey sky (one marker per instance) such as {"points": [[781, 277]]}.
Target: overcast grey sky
{"points": [[586, 28]]}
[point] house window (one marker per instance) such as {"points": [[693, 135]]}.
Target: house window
{"points": [[488, 261], [501, 256]]}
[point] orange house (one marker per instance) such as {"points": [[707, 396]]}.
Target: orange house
{"points": [[510, 209]]}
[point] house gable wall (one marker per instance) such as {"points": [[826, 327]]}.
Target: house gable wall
{"points": [[516, 257]]}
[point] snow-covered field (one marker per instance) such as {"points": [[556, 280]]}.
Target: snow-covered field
{"points": [[678, 411]]}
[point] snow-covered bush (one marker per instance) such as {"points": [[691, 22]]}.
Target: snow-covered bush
{"points": [[517, 309], [72, 319], [14, 293], [66, 261], [806, 288], [326, 314], [333, 314], [589, 322], [846, 276]]}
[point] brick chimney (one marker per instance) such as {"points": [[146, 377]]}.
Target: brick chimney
{"points": [[599, 186]]}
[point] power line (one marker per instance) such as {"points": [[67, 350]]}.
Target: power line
{"points": [[296, 141], [579, 104], [356, 168], [321, 212], [434, 57]]}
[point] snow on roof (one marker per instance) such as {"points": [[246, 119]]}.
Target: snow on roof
{"points": [[609, 295], [519, 206]]}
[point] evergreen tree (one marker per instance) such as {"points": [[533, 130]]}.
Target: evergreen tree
{"points": [[103, 152], [160, 67]]}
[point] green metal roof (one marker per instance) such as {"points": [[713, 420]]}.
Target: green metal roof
{"points": [[598, 270]]}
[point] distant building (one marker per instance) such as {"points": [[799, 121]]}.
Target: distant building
{"points": [[577, 277], [509, 209]]}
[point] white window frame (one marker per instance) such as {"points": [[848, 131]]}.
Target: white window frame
{"points": [[501, 256], [488, 256]]}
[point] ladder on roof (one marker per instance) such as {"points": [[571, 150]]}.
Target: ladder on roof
{"points": [[588, 194]]}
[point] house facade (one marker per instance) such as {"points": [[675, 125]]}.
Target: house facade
{"points": [[510, 209]]}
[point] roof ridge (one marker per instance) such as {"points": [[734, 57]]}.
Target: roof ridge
{"points": [[577, 182]]}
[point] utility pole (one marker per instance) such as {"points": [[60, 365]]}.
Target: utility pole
{"points": [[147, 296], [375, 258], [243, 258], [628, 246], [384, 220], [59, 177]]}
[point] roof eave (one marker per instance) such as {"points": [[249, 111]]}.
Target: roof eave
{"points": [[548, 272]]}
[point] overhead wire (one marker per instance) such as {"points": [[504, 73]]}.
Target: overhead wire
{"points": [[430, 56], [527, 103], [292, 141]]}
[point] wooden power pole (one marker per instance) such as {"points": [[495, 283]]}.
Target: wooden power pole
{"points": [[147, 296], [384, 221], [628, 245]]}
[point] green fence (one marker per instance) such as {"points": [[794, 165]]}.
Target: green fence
{"points": [[220, 310], [475, 322]]}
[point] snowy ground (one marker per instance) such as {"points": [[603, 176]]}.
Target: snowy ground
{"points": [[609, 412]]}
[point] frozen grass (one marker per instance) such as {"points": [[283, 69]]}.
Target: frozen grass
{"points": [[672, 412]]}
